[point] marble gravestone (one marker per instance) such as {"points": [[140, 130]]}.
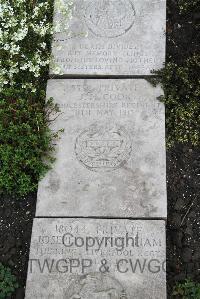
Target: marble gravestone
{"points": [[110, 160], [109, 37], [97, 259]]}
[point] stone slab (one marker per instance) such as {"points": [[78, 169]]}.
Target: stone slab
{"points": [[97, 259], [109, 37], [110, 160]]}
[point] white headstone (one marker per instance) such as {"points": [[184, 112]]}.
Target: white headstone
{"points": [[97, 259], [110, 160], [109, 37]]}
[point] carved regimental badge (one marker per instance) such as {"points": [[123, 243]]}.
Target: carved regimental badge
{"points": [[95, 286], [103, 147], [110, 18]]}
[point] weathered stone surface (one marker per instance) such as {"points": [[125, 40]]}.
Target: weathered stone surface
{"points": [[110, 160], [110, 37], [97, 259]]}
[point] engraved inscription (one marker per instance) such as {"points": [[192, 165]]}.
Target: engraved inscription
{"points": [[103, 147], [112, 37], [110, 18], [91, 259], [95, 285]]}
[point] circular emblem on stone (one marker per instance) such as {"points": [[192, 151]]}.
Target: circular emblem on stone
{"points": [[95, 285], [110, 18], [103, 147]]}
